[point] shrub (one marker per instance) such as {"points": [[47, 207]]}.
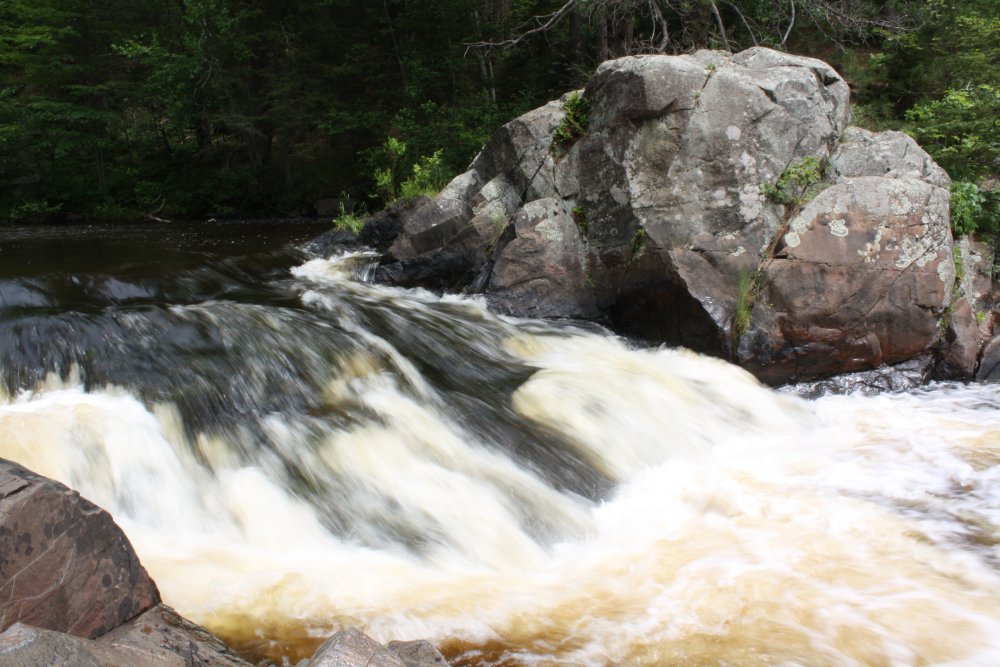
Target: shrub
{"points": [[429, 177], [348, 222], [796, 184], [974, 210]]}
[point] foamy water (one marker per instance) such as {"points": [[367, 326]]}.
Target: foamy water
{"points": [[724, 523]]}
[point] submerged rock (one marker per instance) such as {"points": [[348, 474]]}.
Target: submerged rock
{"points": [[662, 218]]}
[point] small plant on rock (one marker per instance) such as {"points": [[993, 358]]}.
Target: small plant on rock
{"points": [[746, 295], [574, 123], [348, 222], [580, 218], [429, 177], [797, 182], [637, 240]]}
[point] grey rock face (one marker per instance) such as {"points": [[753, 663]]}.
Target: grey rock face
{"points": [[157, 638], [888, 154], [989, 363], [353, 648], [417, 654], [26, 646]]}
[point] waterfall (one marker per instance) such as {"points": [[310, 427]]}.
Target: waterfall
{"points": [[338, 453]]}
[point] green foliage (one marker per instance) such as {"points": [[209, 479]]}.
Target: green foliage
{"points": [[957, 46], [428, 174], [386, 173], [348, 222], [574, 123], [961, 130], [428, 177], [974, 210], [32, 211], [796, 184]]}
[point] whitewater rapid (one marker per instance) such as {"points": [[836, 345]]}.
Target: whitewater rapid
{"points": [[661, 508]]}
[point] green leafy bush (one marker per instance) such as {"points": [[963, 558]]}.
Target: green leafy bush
{"points": [[35, 210], [385, 173], [429, 176], [960, 130], [974, 210]]}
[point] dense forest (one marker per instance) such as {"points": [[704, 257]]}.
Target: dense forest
{"points": [[193, 108]]}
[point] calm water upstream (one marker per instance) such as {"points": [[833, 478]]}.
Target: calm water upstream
{"points": [[293, 450]]}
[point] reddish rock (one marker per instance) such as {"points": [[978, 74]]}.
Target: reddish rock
{"points": [[541, 272], [861, 278], [64, 563], [960, 347], [989, 364]]}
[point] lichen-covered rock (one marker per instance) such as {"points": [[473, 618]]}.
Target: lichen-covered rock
{"points": [[989, 363], [860, 278], [65, 565], [975, 259]]}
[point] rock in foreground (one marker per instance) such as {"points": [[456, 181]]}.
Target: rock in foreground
{"points": [[65, 564], [158, 638]]}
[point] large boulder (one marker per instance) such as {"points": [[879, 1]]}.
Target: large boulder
{"points": [[65, 564], [679, 235]]}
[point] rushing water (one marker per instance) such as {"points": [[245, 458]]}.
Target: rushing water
{"points": [[293, 451]]}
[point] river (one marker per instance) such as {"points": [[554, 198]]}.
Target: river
{"points": [[293, 450]]}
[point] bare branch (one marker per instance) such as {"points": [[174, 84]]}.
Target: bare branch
{"points": [[544, 23], [718, 20], [654, 9], [745, 22], [790, 24]]}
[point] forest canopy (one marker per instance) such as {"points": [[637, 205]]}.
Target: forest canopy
{"points": [[192, 108]]}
